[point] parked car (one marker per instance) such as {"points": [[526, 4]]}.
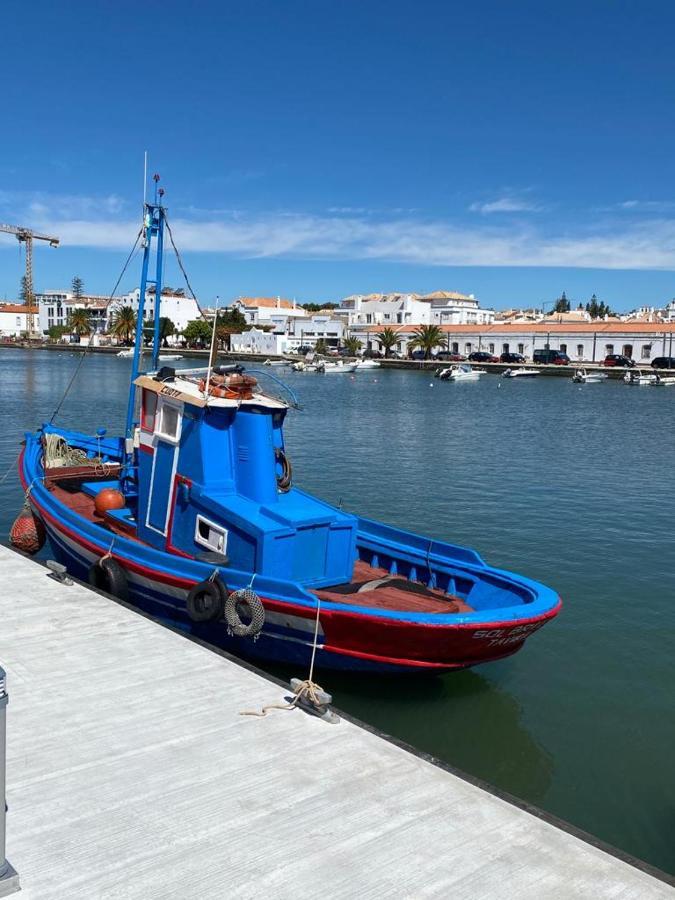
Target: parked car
{"points": [[373, 354], [663, 362], [483, 356], [550, 357], [512, 358], [618, 359], [417, 354], [448, 356]]}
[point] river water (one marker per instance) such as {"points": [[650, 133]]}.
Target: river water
{"points": [[569, 484]]}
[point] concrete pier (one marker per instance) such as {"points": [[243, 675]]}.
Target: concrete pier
{"points": [[131, 774]]}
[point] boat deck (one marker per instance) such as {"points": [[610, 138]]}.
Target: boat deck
{"points": [[131, 773], [394, 593]]}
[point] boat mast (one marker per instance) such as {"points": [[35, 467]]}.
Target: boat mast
{"points": [[153, 226]]}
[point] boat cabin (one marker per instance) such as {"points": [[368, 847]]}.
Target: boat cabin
{"points": [[213, 483]]}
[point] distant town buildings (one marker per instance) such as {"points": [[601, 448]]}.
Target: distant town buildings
{"points": [[174, 305], [14, 319]]}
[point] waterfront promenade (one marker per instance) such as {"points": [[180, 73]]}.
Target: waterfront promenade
{"points": [[131, 774]]}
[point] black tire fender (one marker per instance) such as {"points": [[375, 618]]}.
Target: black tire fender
{"points": [[206, 600], [106, 574]]}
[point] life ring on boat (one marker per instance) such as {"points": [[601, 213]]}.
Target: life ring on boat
{"points": [[247, 603], [107, 575], [206, 600], [285, 479], [230, 387]]}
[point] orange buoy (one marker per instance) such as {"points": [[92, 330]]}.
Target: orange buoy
{"points": [[28, 532], [108, 499]]}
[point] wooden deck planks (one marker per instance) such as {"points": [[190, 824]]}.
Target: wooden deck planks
{"points": [[131, 774]]}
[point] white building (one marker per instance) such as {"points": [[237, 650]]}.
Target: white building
{"points": [[256, 340], [582, 342], [174, 305], [14, 319], [383, 309], [55, 308], [453, 308], [268, 311]]}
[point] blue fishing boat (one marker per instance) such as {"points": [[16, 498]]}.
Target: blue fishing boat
{"points": [[192, 516]]}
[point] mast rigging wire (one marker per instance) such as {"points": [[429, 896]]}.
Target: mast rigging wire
{"points": [[91, 339]]}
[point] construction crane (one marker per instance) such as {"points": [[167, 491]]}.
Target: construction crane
{"points": [[27, 236]]}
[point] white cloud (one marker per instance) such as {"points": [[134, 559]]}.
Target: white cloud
{"points": [[505, 204], [399, 238], [647, 205]]}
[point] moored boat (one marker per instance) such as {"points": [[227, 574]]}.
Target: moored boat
{"points": [[521, 373], [638, 377], [583, 376], [462, 372], [192, 516], [368, 364]]}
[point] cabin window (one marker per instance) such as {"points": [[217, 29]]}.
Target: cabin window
{"points": [[168, 426], [149, 410], [210, 535]]}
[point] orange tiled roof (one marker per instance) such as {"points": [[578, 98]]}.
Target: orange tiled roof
{"points": [[445, 295], [15, 308], [542, 328], [269, 302]]}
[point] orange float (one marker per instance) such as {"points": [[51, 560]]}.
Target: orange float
{"points": [[108, 499]]}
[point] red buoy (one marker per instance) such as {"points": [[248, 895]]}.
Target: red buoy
{"points": [[107, 499], [28, 532]]}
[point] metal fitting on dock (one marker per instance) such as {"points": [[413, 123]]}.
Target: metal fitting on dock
{"points": [[9, 880]]}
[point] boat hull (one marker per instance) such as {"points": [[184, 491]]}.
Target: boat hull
{"points": [[347, 638]]}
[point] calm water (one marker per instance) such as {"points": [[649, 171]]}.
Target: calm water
{"points": [[571, 485]]}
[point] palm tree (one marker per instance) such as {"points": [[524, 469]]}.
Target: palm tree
{"points": [[352, 345], [78, 323], [388, 339], [427, 338], [124, 324]]}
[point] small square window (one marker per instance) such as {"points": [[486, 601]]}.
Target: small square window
{"points": [[149, 410], [169, 422], [210, 535]]}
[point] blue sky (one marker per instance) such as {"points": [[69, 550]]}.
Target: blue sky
{"points": [[314, 149]]}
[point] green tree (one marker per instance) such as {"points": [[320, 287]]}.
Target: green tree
{"points": [[388, 340], [124, 324], [352, 345], [427, 338], [233, 319], [79, 323], [23, 291], [166, 329], [321, 346], [77, 288], [197, 332], [562, 304], [56, 332], [315, 307]]}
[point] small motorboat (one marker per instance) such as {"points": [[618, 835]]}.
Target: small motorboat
{"points": [[663, 380], [582, 376], [336, 368], [126, 354], [169, 357], [521, 373], [461, 372], [368, 364], [277, 362], [637, 376]]}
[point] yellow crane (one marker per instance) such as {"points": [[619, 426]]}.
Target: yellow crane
{"points": [[27, 236]]}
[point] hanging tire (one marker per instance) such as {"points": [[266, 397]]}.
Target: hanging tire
{"points": [[285, 478], [108, 575], [248, 604], [206, 601]]}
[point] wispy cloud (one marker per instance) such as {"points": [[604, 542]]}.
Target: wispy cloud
{"points": [[506, 204], [611, 244], [656, 206]]}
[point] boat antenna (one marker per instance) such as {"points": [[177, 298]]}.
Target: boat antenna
{"points": [[212, 352]]}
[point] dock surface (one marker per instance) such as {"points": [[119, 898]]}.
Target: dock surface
{"points": [[131, 774]]}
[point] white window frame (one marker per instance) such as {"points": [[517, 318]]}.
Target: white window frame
{"points": [[217, 528], [159, 420]]}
